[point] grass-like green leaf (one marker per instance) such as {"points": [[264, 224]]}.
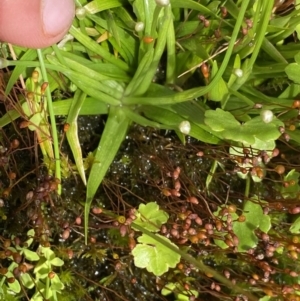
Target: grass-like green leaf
{"points": [[144, 11], [91, 83], [105, 70], [30, 54], [112, 137], [140, 73], [10, 116], [220, 90], [171, 56], [96, 6], [195, 6], [148, 66], [168, 118], [90, 106], [236, 65], [72, 132], [121, 40], [96, 48], [79, 67]]}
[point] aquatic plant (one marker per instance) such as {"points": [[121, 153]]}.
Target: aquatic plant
{"points": [[222, 73]]}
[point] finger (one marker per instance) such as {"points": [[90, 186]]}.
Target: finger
{"points": [[35, 23]]}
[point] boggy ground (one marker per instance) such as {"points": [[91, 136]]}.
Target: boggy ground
{"points": [[153, 166]]}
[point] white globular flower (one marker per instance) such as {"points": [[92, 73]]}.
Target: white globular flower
{"points": [[266, 115], [139, 26], [80, 13], [185, 127], [162, 2], [238, 72]]}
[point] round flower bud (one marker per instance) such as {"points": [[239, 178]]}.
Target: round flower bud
{"points": [[185, 127], [80, 13], [238, 72], [267, 115], [139, 26], [162, 2]]}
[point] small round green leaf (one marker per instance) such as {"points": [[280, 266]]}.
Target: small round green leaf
{"points": [[30, 255], [56, 284], [57, 262], [154, 256], [27, 280], [295, 227], [150, 217]]}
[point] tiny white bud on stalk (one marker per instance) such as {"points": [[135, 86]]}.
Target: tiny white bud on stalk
{"points": [[80, 13], [139, 26], [238, 72], [185, 127], [266, 115], [162, 2]]}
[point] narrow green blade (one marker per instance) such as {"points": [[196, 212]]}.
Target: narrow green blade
{"points": [[112, 137], [72, 133]]}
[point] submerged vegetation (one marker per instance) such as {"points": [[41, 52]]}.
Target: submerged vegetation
{"points": [[153, 154]]}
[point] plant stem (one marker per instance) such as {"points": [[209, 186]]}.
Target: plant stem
{"points": [[47, 287], [52, 119], [228, 54], [196, 92], [262, 28], [147, 17], [247, 189], [197, 263]]}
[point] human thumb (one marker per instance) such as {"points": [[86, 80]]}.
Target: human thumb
{"points": [[35, 23]]}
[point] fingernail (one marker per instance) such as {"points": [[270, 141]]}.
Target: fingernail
{"points": [[57, 16]]}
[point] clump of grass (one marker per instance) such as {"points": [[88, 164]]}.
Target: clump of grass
{"points": [[217, 69]]}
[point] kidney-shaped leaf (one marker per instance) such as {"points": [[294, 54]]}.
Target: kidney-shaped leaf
{"points": [[292, 190], [35, 121], [292, 71], [295, 227], [150, 217], [27, 280], [14, 286], [220, 120], [30, 255], [261, 130], [225, 123], [245, 231], [57, 262], [180, 292], [154, 256], [56, 283]]}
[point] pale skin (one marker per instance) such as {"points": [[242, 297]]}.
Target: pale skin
{"points": [[35, 23]]}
